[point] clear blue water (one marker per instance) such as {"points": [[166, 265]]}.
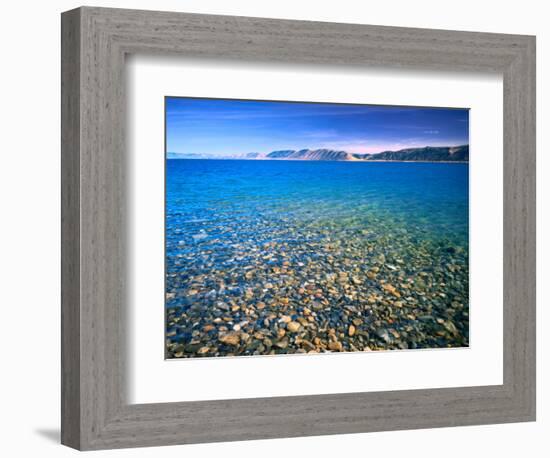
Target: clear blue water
{"points": [[223, 216], [217, 202]]}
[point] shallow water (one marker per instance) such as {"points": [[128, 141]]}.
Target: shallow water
{"points": [[243, 232]]}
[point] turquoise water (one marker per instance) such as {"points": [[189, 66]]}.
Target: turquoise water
{"points": [[314, 220]]}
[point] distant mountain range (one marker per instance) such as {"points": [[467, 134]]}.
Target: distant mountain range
{"points": [[427, 153], [424, 154], [171, 155]]}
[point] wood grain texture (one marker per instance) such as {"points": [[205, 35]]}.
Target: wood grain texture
{"points": [[96, 414], [70, 229]]}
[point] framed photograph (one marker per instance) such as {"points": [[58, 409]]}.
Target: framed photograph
{"points": [[280, 228]]}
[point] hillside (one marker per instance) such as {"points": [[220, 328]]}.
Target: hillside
{"points": [[424, 154], [312, 155]]}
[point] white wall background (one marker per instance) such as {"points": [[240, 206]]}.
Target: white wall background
{"points": [[29, 230]]}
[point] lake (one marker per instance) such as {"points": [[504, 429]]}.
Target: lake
{"points": [[279, 257]]}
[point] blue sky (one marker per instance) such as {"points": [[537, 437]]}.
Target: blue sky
{"points": [[222, 127]]}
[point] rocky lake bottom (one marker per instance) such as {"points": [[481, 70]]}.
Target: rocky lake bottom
{"points": [[286, 258]]}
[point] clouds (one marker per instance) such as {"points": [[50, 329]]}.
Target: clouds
{"points": [[226, 127]]}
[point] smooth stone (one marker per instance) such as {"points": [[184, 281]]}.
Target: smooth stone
{"points": [[293, 326], [223, 306], [283, 343], [335, 346], [230, 339], [308, 345], [384, 335], [317, 306], [302, 321], [449, 326]]}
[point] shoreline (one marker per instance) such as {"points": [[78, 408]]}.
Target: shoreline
{"points": [[306, 160]]}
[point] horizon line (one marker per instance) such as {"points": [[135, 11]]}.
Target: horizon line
{"points": [[240, 155]]}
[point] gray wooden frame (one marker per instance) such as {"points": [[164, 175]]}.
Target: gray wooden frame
{"points": [[95, 41]]}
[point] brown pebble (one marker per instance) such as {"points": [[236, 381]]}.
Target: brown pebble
{"points": [[230, 339], [293, 326]]}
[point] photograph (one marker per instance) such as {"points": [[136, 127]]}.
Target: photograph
{"points": [[307, 228]]}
